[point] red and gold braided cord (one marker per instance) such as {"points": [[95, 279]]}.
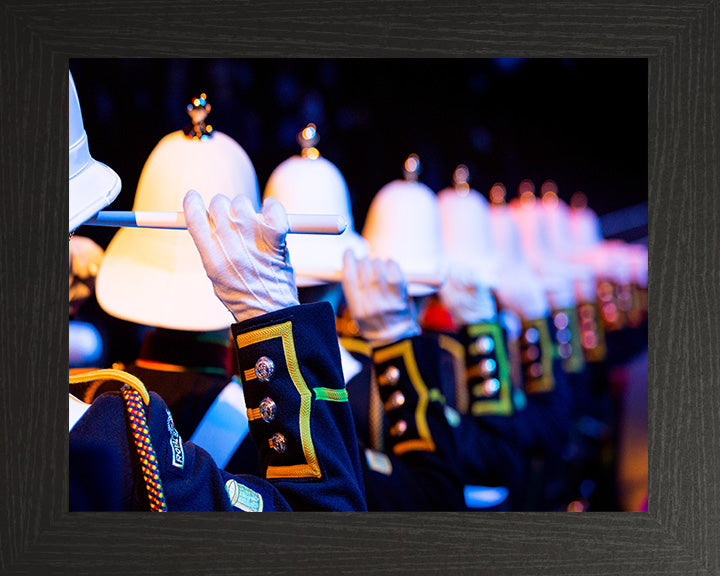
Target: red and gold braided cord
{"points": [[146, 453]]}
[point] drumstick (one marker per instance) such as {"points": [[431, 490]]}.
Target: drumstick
{"points": [[336, 276], [299, 223]]}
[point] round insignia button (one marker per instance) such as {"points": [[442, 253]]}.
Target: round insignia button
{"points": [[268, 409], [278, 443], [395, 401], [398, 429], [264, 369], [390, 376]]}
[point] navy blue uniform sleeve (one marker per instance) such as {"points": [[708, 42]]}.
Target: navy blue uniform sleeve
{"points": [[544, 425], [106, 474], [415, 480], [420, 428], [481, 391], [545, 422], [298, 410]]}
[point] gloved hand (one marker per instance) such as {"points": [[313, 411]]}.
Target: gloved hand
{"points": [[467, 299], [84, 261], [376, 294], [559, 279], [523, 292], [244, 253]]}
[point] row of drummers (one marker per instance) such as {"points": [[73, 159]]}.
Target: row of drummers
{"points": [[511, 308], [533, 255]]}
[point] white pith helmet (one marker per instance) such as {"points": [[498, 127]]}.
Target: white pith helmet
{"points": [[403, 224], [638, 255], [610, 261], [466, 231], [156, 277], [555, 273], [311, 184], [92, 185], [590, 248], [505, 233], [524, 210], [520, 288], [584, 225], [554, 215]]}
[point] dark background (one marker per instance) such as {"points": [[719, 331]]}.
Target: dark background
{"points": [[581, 122]]}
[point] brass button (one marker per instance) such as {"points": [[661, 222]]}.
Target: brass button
{"points": [[587, 312], [487, 366], [264, 369], [491, 386], [398, 429], [563, 336], [535, 370], [390, 376], [565, 351], [532, 353], [561, 320], [395, 401], [487, 388], [589, 339], [268, 409], [278, 443], [484, 345], [532, 335]]}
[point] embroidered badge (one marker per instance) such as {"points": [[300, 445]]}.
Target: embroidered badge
{"points": [[452, 416], [176, 445], [378, 461], [243, 498]]}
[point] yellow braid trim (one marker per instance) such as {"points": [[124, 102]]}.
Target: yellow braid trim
{"points": [[112, 374]]}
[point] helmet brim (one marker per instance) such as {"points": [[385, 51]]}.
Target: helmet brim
{"points": [[156, 278], [90, 191], [314, 257]]}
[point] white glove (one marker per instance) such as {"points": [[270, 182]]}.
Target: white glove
{"points": [[467, 299], [523, 292], [244, 253], [559, 285], [84, 261], [376, 294], [512, 324]]}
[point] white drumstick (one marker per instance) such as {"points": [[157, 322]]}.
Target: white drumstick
{"points": [[299, 223], [336, 276]]}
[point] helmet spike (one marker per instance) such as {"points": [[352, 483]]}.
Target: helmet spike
{"points": [[198, 110], [308, 137]]}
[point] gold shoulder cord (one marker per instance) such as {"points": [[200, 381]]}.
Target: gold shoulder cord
{"points": [[112, 374], [133, 393]]}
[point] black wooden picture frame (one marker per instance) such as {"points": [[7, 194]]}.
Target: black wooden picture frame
{"points": [[681, 532]]}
